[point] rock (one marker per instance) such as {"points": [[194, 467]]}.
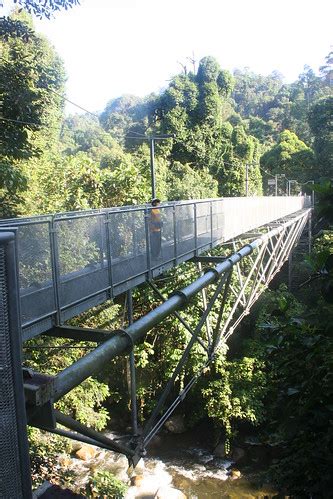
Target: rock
{"points": [[176, 424], [237, 453], [137, 480], [169, 493], [75, 446], [234, 474], [121, 461], [219, 451], [85, 453]]}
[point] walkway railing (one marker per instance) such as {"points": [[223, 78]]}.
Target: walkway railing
{"points": [[69, 262]]}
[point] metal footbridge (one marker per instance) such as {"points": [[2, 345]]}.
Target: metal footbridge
{"points": [[54, 267]]}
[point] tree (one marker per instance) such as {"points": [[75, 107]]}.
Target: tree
{"points": [[31, 73], [31, 79], [326, 70], [291, 157], [183, 182], [45, 8], [321, 124]]}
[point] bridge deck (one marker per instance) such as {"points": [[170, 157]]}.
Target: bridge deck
{"points": [[69, 262]]}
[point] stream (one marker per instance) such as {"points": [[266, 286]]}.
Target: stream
{"points": [[179, 461]]}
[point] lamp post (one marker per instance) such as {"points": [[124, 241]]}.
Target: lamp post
{"points": [[151, 140], [289, 184], [278, 175]]}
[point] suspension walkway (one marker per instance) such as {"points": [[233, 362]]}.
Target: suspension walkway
{"points": [[54, 267]]}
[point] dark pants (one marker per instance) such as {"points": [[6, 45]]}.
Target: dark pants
{"points": [[155, 244]]}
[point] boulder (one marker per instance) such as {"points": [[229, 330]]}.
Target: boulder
{"points": [[86, 452], [234, 474], [75, 446], [137, 480], [176, 424]]}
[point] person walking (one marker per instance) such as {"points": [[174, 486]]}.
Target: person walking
{"points": [[155, 227]]}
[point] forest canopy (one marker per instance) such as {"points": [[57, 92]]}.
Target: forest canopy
{"points": [[219, 124]]}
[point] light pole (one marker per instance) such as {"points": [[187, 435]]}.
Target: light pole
{"points": [[278, 175], [289, 184], [151, 140]]}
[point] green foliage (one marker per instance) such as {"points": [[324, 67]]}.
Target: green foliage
{"points": [[46, 8], [325, 200], [105, 484], [183, 182], [31, 78], [43, 448], [294, 342], [300, 411], [51, 355], [320, 120], [10, 27], [30, 73], [236, 393], [291, 157], [326, 70]]}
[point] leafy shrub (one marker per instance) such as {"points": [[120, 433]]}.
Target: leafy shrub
{"points": [[104, 484]]}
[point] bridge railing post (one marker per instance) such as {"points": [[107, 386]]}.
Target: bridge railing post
{"points": [[211, 223], [147, 215], [174, 222], [55, 267], [107, 223], [195, 228]]}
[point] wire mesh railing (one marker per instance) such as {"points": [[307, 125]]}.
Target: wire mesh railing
{"points": [[69, 262]]}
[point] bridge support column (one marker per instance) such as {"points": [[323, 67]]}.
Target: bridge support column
{"points": [[204, 302], [134, 411]]}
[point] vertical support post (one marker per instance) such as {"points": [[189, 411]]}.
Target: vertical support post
{"points": [[152, 167], [211, 223], [175, 232], [204, 302], [195, 229], [55, 268], [107, 223], [134, 411], [276, 185], [146, 216], [15, 480]]}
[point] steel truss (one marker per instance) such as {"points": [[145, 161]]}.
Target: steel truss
{"points": [[228, 291]]}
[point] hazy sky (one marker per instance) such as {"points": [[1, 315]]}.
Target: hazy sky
{"points": [[112, 47]]}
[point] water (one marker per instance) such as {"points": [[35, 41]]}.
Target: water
{"points": [[174, 461]]}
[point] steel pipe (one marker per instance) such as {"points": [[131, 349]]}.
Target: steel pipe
{"points": [[74, 425]]}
